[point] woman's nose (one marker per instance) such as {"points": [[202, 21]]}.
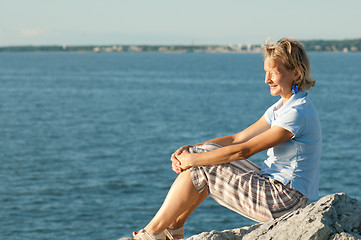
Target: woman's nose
{"points": [[267, 78]]}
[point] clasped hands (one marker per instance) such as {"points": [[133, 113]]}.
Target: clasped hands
{"points": [[181, 159]]}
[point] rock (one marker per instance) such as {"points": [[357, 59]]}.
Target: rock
{"points": [[333, 217]]}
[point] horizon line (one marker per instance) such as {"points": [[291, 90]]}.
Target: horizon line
{"points": [[165, 44]]}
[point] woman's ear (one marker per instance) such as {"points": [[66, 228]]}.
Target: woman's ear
{"points": [[296, 75]]}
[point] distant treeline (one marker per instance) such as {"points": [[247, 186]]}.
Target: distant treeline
{"points": [[353, 45]]}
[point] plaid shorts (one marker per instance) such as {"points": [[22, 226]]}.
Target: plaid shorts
{"points": [[238, 186]]}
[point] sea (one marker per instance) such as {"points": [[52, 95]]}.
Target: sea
{"points": [[86, 138]]}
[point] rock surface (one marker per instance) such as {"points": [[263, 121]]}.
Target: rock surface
{"points": [[333, 217]]}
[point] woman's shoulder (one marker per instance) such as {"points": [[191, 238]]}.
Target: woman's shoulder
{"points": [[302, 103]]}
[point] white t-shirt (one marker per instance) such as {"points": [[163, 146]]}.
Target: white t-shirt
{"points": [[296, 161]]}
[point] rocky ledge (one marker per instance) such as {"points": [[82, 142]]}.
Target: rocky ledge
{"points": [[333, 217]]}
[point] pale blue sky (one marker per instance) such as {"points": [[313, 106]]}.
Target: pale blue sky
{"points": [[78, 22]]}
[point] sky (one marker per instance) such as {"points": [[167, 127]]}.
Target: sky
{"points": [[167, 22]]}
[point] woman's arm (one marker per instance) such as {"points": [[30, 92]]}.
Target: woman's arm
{"points": [[255, 129], [267, 139]]}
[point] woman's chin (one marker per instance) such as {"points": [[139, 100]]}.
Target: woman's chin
{"points": [[273, 93]]}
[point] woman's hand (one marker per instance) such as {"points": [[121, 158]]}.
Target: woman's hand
{"points": [[176, 163], [185, 159]]}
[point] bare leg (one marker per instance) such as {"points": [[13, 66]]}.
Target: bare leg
{"points": [[179, 222], [181, 201]]}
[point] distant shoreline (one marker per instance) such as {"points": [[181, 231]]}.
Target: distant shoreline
{"points": [[352, 45]]}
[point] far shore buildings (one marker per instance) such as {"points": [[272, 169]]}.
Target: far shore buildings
{"points": [[231, 48], [346, 46]]}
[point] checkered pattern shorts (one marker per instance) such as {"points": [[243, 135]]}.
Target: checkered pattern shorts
{"points": [[238, 186]]}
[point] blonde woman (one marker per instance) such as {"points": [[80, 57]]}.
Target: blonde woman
{"points": [[290, 132]]}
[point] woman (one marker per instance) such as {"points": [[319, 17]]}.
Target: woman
{"points": [[289, 129]]}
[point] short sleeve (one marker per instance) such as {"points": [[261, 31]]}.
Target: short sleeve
{"points": [[269, 114], [291, 120]]}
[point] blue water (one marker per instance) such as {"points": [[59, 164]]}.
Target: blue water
{"points": [[85, 139]]}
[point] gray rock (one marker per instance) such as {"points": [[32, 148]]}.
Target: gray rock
{"points": [[333, 217]]}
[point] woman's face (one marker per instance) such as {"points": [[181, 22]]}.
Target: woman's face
{"points": [[278, 78]]}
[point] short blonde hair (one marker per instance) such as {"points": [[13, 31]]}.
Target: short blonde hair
{"points": [[293, 57]]}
